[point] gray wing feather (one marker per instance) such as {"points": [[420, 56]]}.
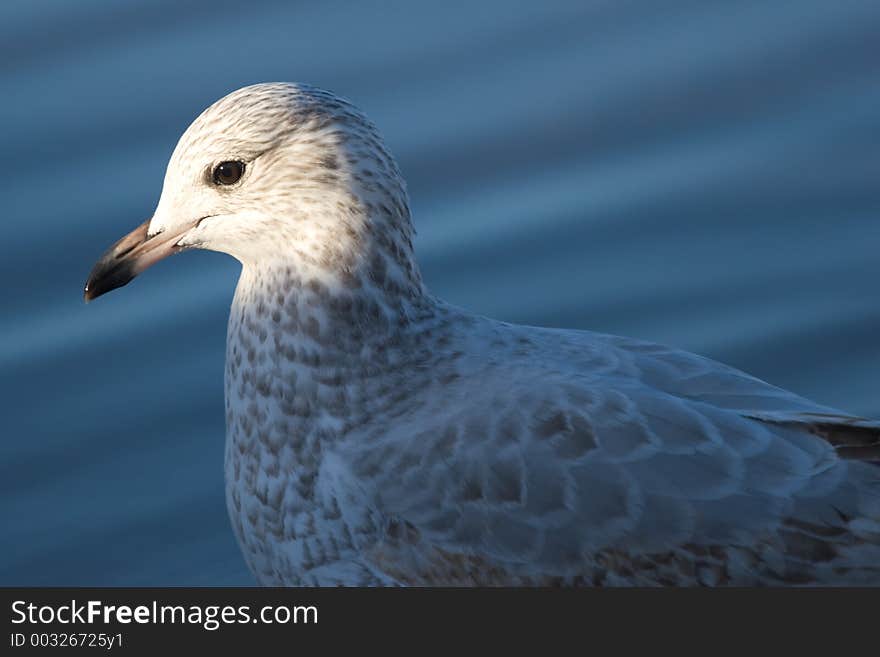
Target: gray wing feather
{"points": [[668, 452]]}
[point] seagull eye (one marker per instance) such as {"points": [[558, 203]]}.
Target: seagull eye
{"points": [[228, 173]]}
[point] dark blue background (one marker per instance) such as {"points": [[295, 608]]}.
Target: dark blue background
{"points": [[705, 174]]}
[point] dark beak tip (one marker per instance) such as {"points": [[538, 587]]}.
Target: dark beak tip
{"points": [[109, 273], [126, 258], [106, 279], [96, 284]]}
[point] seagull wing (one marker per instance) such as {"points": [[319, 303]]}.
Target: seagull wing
{"points": [[667, 468]]}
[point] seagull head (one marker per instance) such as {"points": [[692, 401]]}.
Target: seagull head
{"points": [[271, 174]]}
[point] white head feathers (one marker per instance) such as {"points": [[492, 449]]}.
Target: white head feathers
{"points": [[317, 184]]}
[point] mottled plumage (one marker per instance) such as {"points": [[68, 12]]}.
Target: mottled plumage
{"points": [[377, 435]]}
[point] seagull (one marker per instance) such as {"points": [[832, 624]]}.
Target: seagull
{"points": [[377, 435]]}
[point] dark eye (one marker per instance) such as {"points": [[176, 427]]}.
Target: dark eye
{"points": [[228, 173]]}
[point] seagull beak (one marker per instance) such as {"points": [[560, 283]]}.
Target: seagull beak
{"points": [[130, 256]]}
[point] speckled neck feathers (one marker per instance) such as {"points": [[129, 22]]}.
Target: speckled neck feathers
{"points": [[307, 363]]}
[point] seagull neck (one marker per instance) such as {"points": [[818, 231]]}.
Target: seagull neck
{"points": [[300, 307]]}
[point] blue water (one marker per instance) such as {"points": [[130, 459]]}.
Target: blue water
{"points": [[705, 174]]}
